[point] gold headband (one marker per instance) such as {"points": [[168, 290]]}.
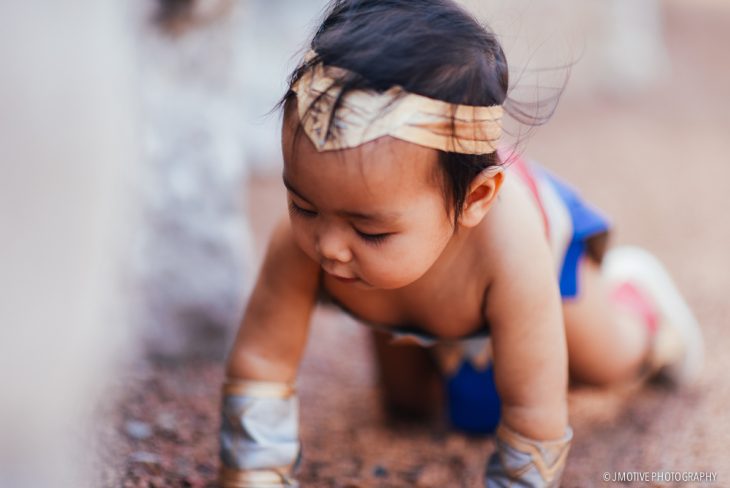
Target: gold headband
{"points": [[365, 115]]}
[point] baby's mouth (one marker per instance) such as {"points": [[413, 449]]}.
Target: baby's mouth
{"points": [[343, 279]]}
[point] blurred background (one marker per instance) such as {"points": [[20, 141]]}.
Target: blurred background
{"points": [[140, 179]]}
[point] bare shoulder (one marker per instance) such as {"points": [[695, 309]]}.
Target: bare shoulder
{"points": [[521, 263], [514, 236]]}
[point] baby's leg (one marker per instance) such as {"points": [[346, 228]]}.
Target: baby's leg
{"points": [[607, 343], [410, 379]]}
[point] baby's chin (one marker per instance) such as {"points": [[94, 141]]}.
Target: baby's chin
{"points": [[391, 282]]}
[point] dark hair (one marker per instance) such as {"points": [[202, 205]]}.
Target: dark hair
{"points": [[429, 47]]}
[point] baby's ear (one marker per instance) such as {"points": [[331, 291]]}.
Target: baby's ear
{"points": [[481, 195]]}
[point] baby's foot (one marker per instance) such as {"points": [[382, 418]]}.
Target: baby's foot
{"points": [[676, 352]]}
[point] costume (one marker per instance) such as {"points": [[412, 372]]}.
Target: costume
{"points": [[259, 436], [366, 115]]}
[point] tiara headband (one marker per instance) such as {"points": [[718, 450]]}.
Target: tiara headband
{"points": [[365, 115]]}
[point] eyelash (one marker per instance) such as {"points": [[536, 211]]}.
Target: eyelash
{"points": [[296, 209], [374, 239]]}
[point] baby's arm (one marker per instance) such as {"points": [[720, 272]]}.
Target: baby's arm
{"points": [[530, 364], [259, 428]]}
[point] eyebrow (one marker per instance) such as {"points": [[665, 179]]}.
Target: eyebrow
{"points": [[386, 217]]}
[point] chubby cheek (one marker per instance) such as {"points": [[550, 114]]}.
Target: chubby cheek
{"points": [[401, 264], [304, 239]]}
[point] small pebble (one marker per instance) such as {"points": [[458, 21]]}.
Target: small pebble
{"points": [[137, 430], [205, 469], [182, 465], [144, 457], [166, 422]]}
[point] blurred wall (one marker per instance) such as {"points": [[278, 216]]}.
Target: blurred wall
{"points": [[66, 149]]}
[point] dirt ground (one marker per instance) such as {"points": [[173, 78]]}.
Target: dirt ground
{"points": [[657, 164]]}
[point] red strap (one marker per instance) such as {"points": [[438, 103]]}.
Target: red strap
{"points": [[629, 296], [525, 174]]}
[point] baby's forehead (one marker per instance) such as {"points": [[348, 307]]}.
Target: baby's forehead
{"points": [[385, 175], [376, 164]]}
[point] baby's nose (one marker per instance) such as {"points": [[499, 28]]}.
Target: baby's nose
{"points": [[332, 246]]}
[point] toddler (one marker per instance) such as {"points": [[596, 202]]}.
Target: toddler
{"points": [[471, 263]]}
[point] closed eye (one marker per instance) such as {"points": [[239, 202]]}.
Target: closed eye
{"points": [[297, 210], [373, 238]]}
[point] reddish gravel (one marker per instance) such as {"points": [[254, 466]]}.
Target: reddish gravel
{"points": [[657, 164]]}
